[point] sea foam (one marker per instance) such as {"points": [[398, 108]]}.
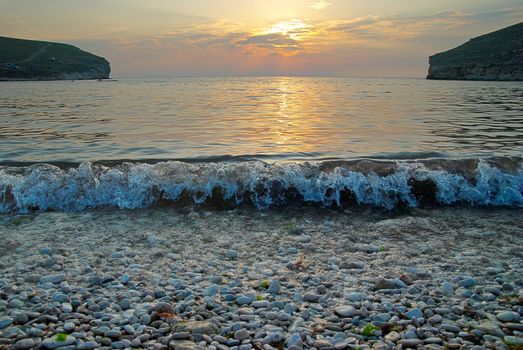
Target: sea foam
{"points": [[385, 184]]}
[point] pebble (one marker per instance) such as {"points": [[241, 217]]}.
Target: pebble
{"points": [[20, 317], [274, 287], [67, 308], [385, 284], [24, 344], [232, 254], [311, 297], [352, 265], [414, 313], [508, 316], [490, 328], [346, 311], [60, 297], [273, 337], [5, 322], [382, 317], [88, 345], [211, 290], [145, 320], [410, 343], [447, 288], [69, 326], [181, 335], [322, 344], [125, 303], [15, 304], [53, 343], [393, 336], [356, 296], [304, 238], [433, 340], [450, 328], [58, 278], [173, 295], [243, 300], [513, 340], [294, 340], [260, 304], [45, 251], [467, 282], [241, 334]]}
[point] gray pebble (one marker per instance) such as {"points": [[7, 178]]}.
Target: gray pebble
{"points": [[508, 316], [88, 345], [414, 313], [447, 288], [60, 297], [345, 311], [232, 254], [55, 279], [243, 300], [513, 340], [211, 290], [410, 343], [260, 304], [15, 304], [311, 297], [145, 320], [53, 343], [24, 344], [356, 296], [181, 335], [274, 287], [241, 334], [69, 326], [125, 304], [5, 322], [467, 282]]}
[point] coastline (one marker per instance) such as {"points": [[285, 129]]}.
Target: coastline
{"points": [[51, 79], [242, 279]]}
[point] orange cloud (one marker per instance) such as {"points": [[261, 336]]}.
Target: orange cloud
{"points": [[292, 45]]}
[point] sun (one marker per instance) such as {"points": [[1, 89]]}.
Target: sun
{"points": [[294, 28]]}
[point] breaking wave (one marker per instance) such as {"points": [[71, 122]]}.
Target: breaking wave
{"points": [[386, 184]]}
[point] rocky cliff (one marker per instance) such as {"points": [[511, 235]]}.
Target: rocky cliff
{"points": [[494, 56], [40, 60]]}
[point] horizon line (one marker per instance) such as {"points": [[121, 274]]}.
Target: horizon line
{"points": [[268, 76]]}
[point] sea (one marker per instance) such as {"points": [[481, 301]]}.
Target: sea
{"points": [[287, 212], [260, 143]]}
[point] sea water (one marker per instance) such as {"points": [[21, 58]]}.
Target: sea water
{"points": [[261, 142]]}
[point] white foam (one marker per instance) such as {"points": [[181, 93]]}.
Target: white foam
{"points": [[138, 185]]}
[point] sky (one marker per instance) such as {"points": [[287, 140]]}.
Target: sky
{"points": [[169, 38]]}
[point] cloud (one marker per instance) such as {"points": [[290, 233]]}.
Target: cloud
{"points": [[376, 29], [270, 41], [225, 46], [300, 37], [319, 5]]}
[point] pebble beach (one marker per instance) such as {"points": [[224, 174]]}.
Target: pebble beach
{"points": [[166, 278]]}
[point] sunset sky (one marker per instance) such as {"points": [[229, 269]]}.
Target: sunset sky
{"points": [[164, 38]]}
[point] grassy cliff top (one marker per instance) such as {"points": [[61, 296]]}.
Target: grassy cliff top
{"points": [[20, 58], [491, 47]]}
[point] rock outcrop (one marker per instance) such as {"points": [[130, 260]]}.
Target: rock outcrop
{"points": [[39, 60], [494, 56]]}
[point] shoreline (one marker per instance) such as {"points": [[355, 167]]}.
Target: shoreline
{"points": [[47, 80], [244, 279]]}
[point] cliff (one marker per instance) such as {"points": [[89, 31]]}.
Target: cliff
{"points": [[40, 60], [494, 56]]}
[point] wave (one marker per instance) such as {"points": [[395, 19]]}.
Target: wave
{"points": [[385, 184]]}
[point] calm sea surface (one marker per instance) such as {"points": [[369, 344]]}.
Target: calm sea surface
{"points": [[258, 118]]}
